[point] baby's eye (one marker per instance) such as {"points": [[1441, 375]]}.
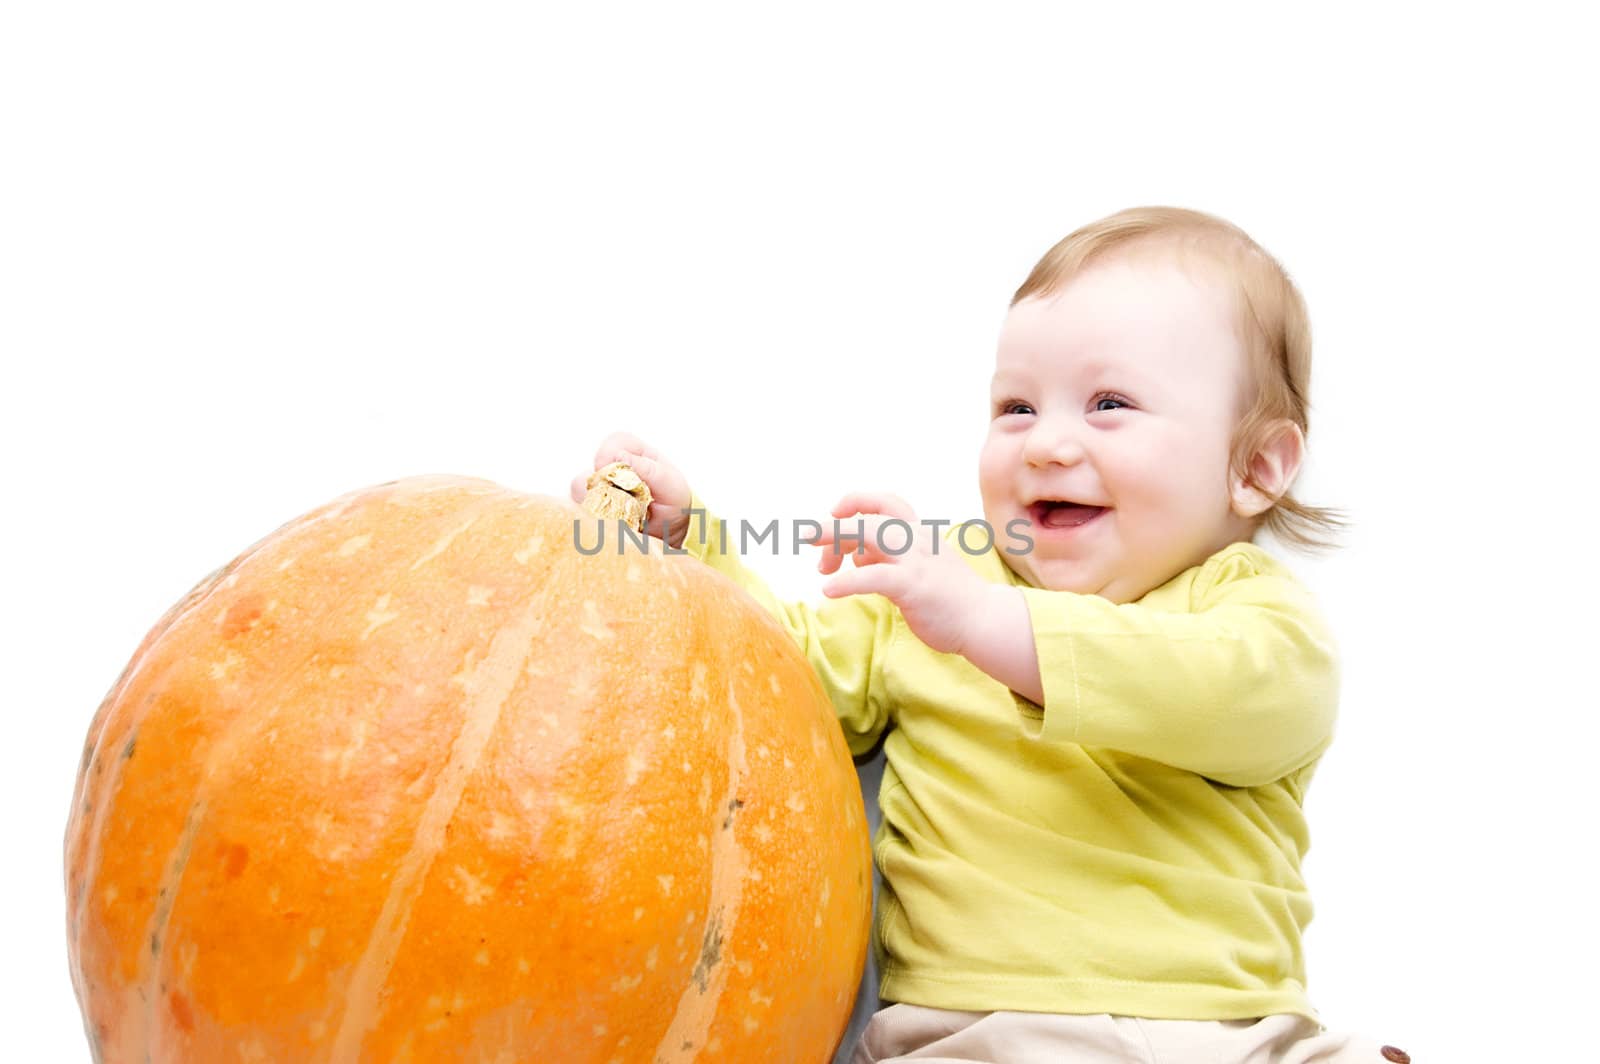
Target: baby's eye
{"points": [[1110, 397], [1014, 406]]}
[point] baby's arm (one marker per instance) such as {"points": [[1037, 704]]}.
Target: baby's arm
{"points": [[948, 606], [1243, 690]]}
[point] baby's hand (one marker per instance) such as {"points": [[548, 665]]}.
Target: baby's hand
{"points": [[668, 517], [939, 595]]}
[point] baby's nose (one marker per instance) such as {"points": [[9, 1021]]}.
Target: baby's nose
{"points": [[1052, 441]]}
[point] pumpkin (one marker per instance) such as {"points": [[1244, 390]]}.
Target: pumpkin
{"points": [[415, 779]]}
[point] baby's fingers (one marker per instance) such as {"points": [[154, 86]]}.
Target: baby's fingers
{"points": [[618, 446], [891, 581], [869, 540]]}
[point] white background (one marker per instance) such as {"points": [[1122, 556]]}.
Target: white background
{"points": [[254, 259]]}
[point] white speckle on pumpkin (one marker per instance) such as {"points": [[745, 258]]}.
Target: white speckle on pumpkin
{"points": [[638, 913], [473, 890], [531, 549], [299, 966], [755, 875], [757, 997], [109, 895], [762, 833], [583, 686], [501, 827], [477, 595], [482, 958], [750, 1025], [697, 682], [288, 562], [349, 753], [443, 542], [772, 681], [749, 668], [715, 1045], [744, 967], [788, 765], [379, 615], [273, 894], [666, 885], [817, 921], [252, 1052], [318, 1030], [763, 752], [794, 803], [523, 966], [592, 623], [761, 944], [353, 544], [687, 767], [599, 1030], [230, 660], [636, 764], [669, 733], [651, 958], [315, 936], [705, 843], [627, 983]]}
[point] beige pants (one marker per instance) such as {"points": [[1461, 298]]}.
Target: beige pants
{"points": [[940, 1036]]}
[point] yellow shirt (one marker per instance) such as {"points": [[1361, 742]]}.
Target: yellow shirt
{"points": [[1132, 847]]}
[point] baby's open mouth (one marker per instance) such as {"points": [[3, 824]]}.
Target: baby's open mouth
{"points": [[1054, 513]]}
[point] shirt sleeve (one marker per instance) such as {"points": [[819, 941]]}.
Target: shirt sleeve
{"points": [[1243, 690], [844, 640]]}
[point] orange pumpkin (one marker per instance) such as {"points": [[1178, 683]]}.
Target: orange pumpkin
{"points": [[413, 779]]}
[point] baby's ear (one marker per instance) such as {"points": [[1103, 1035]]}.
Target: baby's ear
{"points": [[1274, 465]]}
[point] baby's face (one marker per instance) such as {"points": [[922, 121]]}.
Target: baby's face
{"points": [[1120, 391]]}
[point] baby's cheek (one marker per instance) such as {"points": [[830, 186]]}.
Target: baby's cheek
{"points": [[995, 465]]}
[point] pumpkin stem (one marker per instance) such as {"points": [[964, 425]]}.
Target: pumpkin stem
{"points": [[616, 491]]}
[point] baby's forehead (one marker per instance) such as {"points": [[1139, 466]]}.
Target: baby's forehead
{"points": [[1147, 320], [1109, 306]]}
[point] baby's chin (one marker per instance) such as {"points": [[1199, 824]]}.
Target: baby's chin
{"points": [[1055, 575], [1059, 575]]}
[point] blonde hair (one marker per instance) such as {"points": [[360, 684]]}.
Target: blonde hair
{"points": [[1271, 323]]}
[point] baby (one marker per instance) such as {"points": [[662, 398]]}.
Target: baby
{"points": [[1100, 709]]}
